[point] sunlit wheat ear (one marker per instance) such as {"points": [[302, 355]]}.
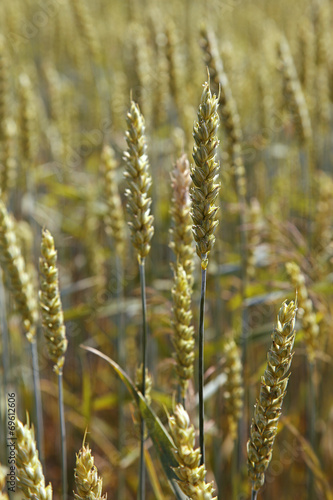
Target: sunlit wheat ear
{"points": [[204, 174], [3, 479], [274, 383], [30, 477], [17, 278], [88, 483], [50, 303], [234, 386], [181, 240], [305, 310], [183, 339], [190, 473], [139, 182], [115, 222]]}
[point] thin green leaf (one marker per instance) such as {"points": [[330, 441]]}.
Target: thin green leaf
{"points": [[158, 433]]}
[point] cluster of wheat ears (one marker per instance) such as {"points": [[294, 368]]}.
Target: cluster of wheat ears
{"points": [[184, 227]]}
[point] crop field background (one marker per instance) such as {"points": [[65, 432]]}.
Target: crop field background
{"points": [[122, 125]]}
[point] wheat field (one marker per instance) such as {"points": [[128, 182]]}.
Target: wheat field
{"points": [[166, 249]]}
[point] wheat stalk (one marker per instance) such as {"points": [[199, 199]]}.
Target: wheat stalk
{"points": [[274, 383], [30, 477]]}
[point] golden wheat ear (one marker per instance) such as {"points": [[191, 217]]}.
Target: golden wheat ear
{"points": [[88, 483], [274, 383], [50, 303], [30, 477], [190, 473]]}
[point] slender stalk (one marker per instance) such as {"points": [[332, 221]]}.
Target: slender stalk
{"points": [[63, 436], [121, 357], [311, 423], [201, 364], [37, 400], [254, 495], [142, 485]]}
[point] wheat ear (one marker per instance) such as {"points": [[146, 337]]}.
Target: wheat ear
{"points": [[30, 477], [274, 383], [204, 175], [305, 310], [20, 284], [142, 230], [190, 473], [234, 386], [88, 483], [181, 239], [115, 221], [54, 330], [3, 472], [183, 339]]}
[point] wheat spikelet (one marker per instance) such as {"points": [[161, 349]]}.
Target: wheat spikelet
{"points": [[181, 233], [190, 473], [148, 383], [50, 303], [305, 310], [233, 388], [139, 183], [183, 339], [274, 383], [88, 483], [115, 222], [227, 107], [292, 91], [16, 275], [30, 477], [3, 472], [204, 174]]}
